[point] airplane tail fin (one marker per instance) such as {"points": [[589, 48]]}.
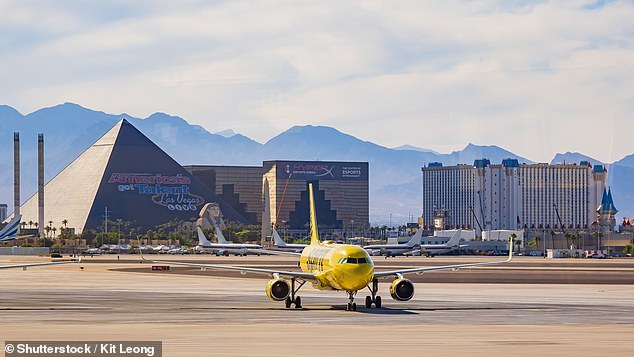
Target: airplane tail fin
{"points": [[314, 234], [455, 239], [11, 229], [221, 237], [416, 238], [277, 239], [202, 240]]}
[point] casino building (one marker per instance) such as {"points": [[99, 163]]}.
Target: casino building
{"points": [[511, 196], [341, 197], [123, 176]]}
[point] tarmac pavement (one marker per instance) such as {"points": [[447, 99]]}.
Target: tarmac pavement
{"points": [[201, 314]]}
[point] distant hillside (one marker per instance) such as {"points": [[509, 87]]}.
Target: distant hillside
{"points": [[70, 129], [627, 161], [471, 152], [414, 148], [573, 157], [226, 133]]}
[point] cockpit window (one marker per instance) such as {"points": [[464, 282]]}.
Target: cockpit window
{"points": [[341, 261], [361, 260], [352, 260]]}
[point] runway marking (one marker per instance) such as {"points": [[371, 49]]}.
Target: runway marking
{"points": [[525, 342], [53, 308]]}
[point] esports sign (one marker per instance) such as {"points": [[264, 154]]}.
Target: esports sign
{"points": [[321, 170], [171, 192]]}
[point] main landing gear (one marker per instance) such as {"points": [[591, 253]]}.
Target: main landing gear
{"points": [[374, 299], [290, 300]]}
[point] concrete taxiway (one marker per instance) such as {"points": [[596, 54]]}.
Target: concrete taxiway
{"points": [[203, 313]]}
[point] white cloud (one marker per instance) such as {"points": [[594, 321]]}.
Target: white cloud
{"points": [[438, 75]]}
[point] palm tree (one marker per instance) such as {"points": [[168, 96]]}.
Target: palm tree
{"points": [[537, 239], [30, 224]]}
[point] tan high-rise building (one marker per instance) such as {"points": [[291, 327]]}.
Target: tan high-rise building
{"points": [[486, 196]]}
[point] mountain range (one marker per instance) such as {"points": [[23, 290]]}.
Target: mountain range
{"points": [[395, 188]]}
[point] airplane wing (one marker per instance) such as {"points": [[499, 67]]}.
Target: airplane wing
{"points": [[35, 264], [399, 272], [270, 272], [274, 252]]}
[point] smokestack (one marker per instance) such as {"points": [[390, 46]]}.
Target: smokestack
{"points": [[16, 174], [40, 183]]}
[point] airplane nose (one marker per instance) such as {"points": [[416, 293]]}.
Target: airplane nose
{"points": [[356, 277]]}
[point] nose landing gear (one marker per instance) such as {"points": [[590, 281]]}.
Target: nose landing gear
{"points": [[352, 306]]}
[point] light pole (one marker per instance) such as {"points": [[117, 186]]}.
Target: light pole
{"points": [[598, 237], [352, 222], [119, 232], [596, 223]]}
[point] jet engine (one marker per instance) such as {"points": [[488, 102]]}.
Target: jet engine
{"points": [[402, 289], [278, 289]]}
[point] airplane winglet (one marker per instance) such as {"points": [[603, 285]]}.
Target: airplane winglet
{"points": [[277, 239], [142, 257]]}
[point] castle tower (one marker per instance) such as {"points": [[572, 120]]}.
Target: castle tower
{"points": [[607, 213]]}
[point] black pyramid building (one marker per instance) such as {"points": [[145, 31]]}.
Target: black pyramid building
{"points": [[130, 176]]}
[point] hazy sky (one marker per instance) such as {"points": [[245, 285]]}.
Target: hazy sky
{"points": [[533, 77]]}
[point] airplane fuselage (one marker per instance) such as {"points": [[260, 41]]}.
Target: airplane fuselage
{"points": [[338, 266]]}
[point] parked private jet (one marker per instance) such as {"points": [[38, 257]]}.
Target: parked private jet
{"points": [[280, 244], [452, 244], [415, 247], [223, 247], [11, 229], [390, 250]]}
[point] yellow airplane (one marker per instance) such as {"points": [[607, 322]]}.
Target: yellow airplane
{"points": [[330, 266]]}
